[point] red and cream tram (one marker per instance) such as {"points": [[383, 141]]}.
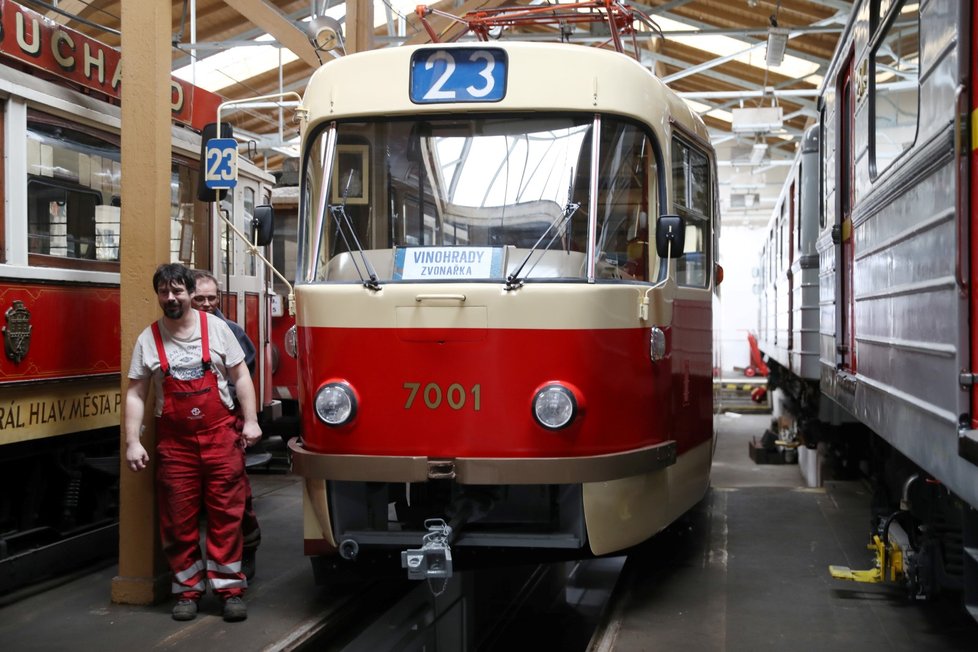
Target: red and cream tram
{"points": [[504, 295]]}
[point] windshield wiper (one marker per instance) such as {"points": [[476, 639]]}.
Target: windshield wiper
{"points": [[513, 281], [342, 218]]}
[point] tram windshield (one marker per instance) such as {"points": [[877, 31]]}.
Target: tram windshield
{"points": [[481, 198]]}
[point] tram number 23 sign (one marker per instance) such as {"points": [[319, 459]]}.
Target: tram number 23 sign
{"points": [[221, 160], [458, 75]]}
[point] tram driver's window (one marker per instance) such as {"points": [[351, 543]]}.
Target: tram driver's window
{"points": [[692, 195]]}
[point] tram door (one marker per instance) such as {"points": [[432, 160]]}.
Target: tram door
{"points": [[240, 274], [843, 236], [285, 383]]}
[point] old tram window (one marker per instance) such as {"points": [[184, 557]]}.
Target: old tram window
{"points": [[72, 195]]}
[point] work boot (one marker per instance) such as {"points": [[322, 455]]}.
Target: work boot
{"points": [[235, 609], [185, 609], [248, 562]]}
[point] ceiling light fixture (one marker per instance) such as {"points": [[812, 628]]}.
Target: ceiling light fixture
{"points": [[777, 43], [757, 153], [756, 119]]}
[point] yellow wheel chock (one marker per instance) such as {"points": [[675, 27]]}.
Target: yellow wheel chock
{"points": [[889, 558]]}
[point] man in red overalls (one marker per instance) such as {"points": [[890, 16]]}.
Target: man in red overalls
{"points": [[189, 356], [207, 297]]}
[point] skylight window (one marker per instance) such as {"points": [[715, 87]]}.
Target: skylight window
{"points": [[239, 63], [230, 66], [722, 46]]}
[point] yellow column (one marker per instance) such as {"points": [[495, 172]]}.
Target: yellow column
{"points": [[146, 136]]}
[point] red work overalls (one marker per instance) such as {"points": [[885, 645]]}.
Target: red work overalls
{"points": [[199, 456]]}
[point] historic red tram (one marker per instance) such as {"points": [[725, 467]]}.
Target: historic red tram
{"points": [[504, 297], [59, 284]]}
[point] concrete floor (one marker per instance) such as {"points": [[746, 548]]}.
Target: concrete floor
{"points": [[746, 571], [750, 572], [283, 601]]}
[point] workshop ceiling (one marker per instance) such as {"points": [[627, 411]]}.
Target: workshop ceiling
{"points": [[713, 52]]}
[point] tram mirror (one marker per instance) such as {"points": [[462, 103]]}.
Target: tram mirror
{"points": [[207, 133], [263, 225], [670, 236]]}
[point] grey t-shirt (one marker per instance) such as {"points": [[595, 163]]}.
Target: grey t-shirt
{"points": [[184, 356]]}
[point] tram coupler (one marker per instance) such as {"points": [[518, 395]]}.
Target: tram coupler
{"points": [[433, 560]]}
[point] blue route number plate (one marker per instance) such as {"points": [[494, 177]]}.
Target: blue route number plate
{"points": [[458, 75], [221, 163]]}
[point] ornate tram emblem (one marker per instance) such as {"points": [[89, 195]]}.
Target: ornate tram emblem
{"points": [[17, 332]]}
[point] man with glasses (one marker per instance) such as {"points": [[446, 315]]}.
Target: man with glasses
{"points": [[207, 297]]}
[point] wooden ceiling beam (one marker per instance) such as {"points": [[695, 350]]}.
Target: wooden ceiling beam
{"points": [[281, 28]]}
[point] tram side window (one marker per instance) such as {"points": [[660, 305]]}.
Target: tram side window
{"points": [[190, 239], [226, 236], [249, 216], [896, 85], [72, 194], [627, 182], [693, 199], [285, 246]]}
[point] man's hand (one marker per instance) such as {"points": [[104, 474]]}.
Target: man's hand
{"points": [[136, 456], [250, 433]]}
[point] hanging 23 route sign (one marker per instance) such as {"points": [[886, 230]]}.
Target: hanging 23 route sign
{"points": [[221, 159]]}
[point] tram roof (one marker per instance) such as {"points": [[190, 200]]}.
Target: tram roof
{"points": [[577, 79]]}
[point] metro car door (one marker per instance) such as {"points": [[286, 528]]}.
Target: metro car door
{"points": [[842, 232]]}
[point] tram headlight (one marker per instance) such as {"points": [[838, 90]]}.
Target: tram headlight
{"points": [[292, 342], [657, 344], [336, 404], [554, 406]]}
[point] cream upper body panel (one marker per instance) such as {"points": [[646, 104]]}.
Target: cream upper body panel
{"points": [[542, 306], [579, 78]]}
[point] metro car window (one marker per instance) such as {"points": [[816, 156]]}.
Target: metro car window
{"points": [[896, 86]]}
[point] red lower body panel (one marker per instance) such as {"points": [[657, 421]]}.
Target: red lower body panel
{"points": [[74, 331], [458, 393]]}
